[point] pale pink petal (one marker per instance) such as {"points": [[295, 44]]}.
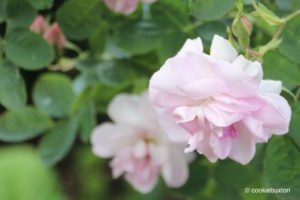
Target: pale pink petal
{"points": [[140, 149], [243, 146], [236, 81], [221, 49], [221, 118], [252, 70], [166, 99], [185, 113], [205, 148], [275, 115], [270, 86], [232, 105], [203, 88], [194, 67], [132, 110], [194, 141], [173, 130], [107, 139], [192, 127], [255, 127], [191, 46], [175, 169], [221, 145], [143, 179]]}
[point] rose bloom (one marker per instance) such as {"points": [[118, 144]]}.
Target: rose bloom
{"points": [[218, 104], [125, 6], [55, 36], [138, 146]]}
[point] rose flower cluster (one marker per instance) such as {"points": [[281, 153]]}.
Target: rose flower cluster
{"points": [[216, 104]]}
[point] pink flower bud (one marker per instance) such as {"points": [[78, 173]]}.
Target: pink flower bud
{"points": [[122, 6], [246, 24], [55, 36], [39, 25]]}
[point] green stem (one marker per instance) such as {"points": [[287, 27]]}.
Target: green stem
{"points": [[290, 93], [291, 16], [298, 93]]}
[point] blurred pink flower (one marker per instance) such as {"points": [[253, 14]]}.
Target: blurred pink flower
{"points": [[125, 6], [55, 36], [39, 25], [139, 148], [122, 6], [218, 103]]}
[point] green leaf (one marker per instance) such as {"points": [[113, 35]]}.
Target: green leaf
{"points": [[12, 87], [244, 175], [138, 37], [210, 10], [79, 19], [41, 4], [114, 73], [98, 184], [170, 14], [294, 125], [23, 124], [2, 14], [15, 18], [87, 120], [57, 142], [277, 67], [207, 31], [281, 167], [28, 50], [53, 94], [24, 177], [289, 5], [290, 45], [170, 45], [97, 41]]}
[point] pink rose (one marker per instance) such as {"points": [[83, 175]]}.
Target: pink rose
{"points": [[39, 25], [139, 148], [55, 36], [218, 103]]}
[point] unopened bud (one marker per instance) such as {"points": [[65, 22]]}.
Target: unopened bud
{"points": [[242, 29], [39, 25], [55, 36]]}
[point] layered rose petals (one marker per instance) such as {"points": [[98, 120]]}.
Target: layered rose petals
{"points": [[138, 146], [218, 104]]}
